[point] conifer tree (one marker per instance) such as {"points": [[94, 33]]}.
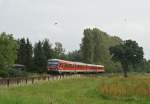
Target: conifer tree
{"points": [[39, 57], [21, 54], [25, 53], [47, 49], [29, 54]]}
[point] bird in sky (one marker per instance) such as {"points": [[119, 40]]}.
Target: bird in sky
{"points": [[55, 23]]}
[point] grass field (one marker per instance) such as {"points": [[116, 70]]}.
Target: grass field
{"points": [[88, 90]]}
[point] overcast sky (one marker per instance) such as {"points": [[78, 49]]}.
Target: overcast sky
{"points": [[37, 19]]}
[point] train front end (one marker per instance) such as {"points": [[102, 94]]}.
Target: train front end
{"points": [[53, 65]]}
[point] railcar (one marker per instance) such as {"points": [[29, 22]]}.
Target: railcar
{"points": [[62, 66]]}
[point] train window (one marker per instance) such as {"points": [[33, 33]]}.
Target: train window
{"points": [[53, 63], [66, 65], [61, 65], [71, 65]]}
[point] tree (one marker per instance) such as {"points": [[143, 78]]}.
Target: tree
{"points": [[21, 53], [24, 53], [87, 46], [74, 56], [97, 44], [39, 57], [8, 51], [59, 51], [95, 49], [127, 53], [29, 54], [47, 49]]}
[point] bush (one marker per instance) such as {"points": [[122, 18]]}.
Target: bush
{"points": [[3, 73], [16, 73]]}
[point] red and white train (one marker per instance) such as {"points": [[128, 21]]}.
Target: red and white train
{"points": [[62, 66]]}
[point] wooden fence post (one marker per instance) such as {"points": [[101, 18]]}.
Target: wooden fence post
{"points": [[17, 81], [32, 80], [48, 78], [26, 80], [8, 81]]}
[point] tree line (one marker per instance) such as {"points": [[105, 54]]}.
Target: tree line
{"points": [[97, 47], [115, 54], [35, 57], [22, 51]]}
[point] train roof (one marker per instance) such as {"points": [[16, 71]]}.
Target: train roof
{"points": [[59, 60], [95, 65], [54, 60], [71, 62]]}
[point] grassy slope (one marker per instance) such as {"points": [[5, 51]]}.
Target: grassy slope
{"points": [[67, 91]]}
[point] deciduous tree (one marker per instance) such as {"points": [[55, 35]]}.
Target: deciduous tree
{"points": [[127, 53], [8, 51]]}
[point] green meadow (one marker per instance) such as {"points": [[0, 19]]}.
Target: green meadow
{"points": [[112, 89]]}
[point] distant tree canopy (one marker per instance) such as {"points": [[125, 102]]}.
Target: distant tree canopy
{"points": [[8, 51], [95, 49], [59, 51], [127, 53], [74, 56], [143, 66]]}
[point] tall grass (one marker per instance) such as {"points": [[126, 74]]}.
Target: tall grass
{"points": [[126, 87], [86, 90]]}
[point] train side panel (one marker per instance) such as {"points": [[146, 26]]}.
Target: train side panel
{"points": [[68, 66]]}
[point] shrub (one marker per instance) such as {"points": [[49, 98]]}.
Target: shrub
{"points": [[3, 73], [16, 73]]}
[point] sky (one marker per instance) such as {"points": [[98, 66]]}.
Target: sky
{"points": [[65, 20]]}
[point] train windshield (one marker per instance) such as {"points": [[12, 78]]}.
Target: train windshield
{"points": [[53, 63]]}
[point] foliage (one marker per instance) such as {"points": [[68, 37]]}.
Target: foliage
{"points": [[59, 51], [39, 57], [16, 73], [8, 51], [87, 46], [128, 53], [3, 73], [74, 56], [48, 51], [97, 46], [143, 66], [36, 60], [95, 49], [29, 54], [25, 53]]}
